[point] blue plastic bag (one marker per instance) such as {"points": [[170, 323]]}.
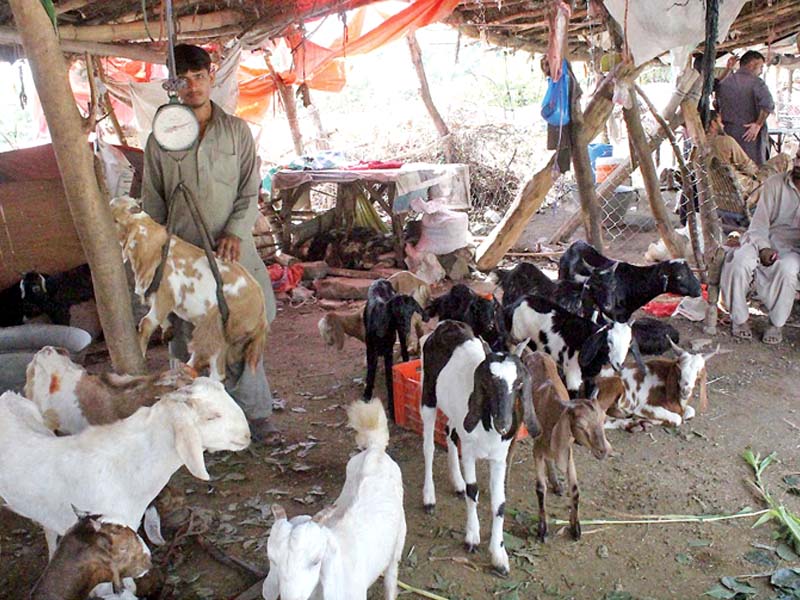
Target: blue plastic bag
{"points": [[555, 105]]}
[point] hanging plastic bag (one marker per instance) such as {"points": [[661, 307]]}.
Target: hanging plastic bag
{"points": [[555, 105]]}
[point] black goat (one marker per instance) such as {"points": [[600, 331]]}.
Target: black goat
{"points": [[387, 315], [54, 295], [594, 294], [653, 336], [633, 286], [11, 306], [484, 316]]}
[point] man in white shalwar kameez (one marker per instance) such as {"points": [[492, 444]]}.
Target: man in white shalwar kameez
{"points": [[770, 252]]}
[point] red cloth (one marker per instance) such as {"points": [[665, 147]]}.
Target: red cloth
{"points": [[285, 278], [665, 304], [375, 164]]}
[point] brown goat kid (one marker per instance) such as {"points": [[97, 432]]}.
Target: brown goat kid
{"points": [[564, 423], [92, 552]]}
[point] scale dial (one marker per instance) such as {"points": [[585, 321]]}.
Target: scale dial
{"points": [[175, 127]]}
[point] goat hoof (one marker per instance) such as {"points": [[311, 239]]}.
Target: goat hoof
{"points": [[461, 494], [500, 571], [470, 548], [575, 531], [558, 490], [542, 534], [429, 508]]}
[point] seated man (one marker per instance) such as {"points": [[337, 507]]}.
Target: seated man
{"points": [[728, 151], [770, 250]]}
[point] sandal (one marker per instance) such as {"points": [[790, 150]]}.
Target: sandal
{"points": [[772, 335], [741, 331]]}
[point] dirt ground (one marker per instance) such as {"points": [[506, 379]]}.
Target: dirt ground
{"points": [[697, 469]]}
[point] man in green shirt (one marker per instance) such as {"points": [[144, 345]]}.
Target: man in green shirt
{"points": [[221, 170]]}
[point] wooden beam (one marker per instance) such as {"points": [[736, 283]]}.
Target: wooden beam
{"points": [[425, 92], [11, 37], [289, 105], [90, 211], [68, 5], [137, 30], [638, 140], [532, 194]]}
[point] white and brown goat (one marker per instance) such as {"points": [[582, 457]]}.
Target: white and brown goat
{"points": [[70, 399], [93, 551], [661, 395], [188, 290], [564, 423]]}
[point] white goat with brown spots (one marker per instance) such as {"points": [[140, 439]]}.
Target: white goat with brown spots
{"points": [[564, 423], [661, 395], [70, 399], [188, 289]]}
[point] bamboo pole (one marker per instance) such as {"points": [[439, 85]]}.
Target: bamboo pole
{"points": [[425, 92], [638, 140], [581, 165], [89, 210], [138, 31], [532, 194], [109, 106], [11, 37], [289, 106]]}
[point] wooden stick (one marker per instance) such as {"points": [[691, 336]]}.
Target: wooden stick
{"points": [[638, 138], [289, 105], [137, 30], [228, 559], [554, 254], [109, 105], [425, 92]]}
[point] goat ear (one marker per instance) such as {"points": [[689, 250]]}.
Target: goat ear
{"points": [[80, 513], [332, 572], [528, 411], [475, 407], [637, 356], [591, 347], [703, 376], [188, 444]]}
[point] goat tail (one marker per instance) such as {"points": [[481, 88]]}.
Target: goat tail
{"points": [[254, 348], [369, 421]]}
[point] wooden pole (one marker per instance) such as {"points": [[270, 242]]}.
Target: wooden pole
{"points": [[11, 37], [109, 106], [581, 165], [425, 92], [90, 212], [289, 105], [139, 31], [638, 139], [532, 194]]}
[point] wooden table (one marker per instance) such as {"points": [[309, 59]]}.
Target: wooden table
{"points": [[379, 185]]}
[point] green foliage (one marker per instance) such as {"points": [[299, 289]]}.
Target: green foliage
{"points": [[50, 9]]}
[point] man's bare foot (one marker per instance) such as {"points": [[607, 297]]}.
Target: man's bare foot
{"points": [[741, 331], [772, 335]]}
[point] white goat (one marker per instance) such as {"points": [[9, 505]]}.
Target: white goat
{"points": [[660, 395], [483, 397], [70, 399], [115, 469], [339, 553]]}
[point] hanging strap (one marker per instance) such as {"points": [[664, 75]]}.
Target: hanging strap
{"points": [[207, 242]]}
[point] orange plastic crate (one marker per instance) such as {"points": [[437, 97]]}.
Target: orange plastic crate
{"points": [[407, 385]]}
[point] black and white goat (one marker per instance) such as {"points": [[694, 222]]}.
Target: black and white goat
{"points": [[485, 397], [387, 316], [54, 295], [595, 296], [632, 286], [484, 316], [11, 306], [580, 347]]}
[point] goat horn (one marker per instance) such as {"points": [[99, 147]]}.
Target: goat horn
{"points": [[323, 515], [675, 346], [278, 512], [714, 353]]}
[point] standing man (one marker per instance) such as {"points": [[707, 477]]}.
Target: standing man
{"points": [[745, 103], [221, 170], [770, 250]]}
